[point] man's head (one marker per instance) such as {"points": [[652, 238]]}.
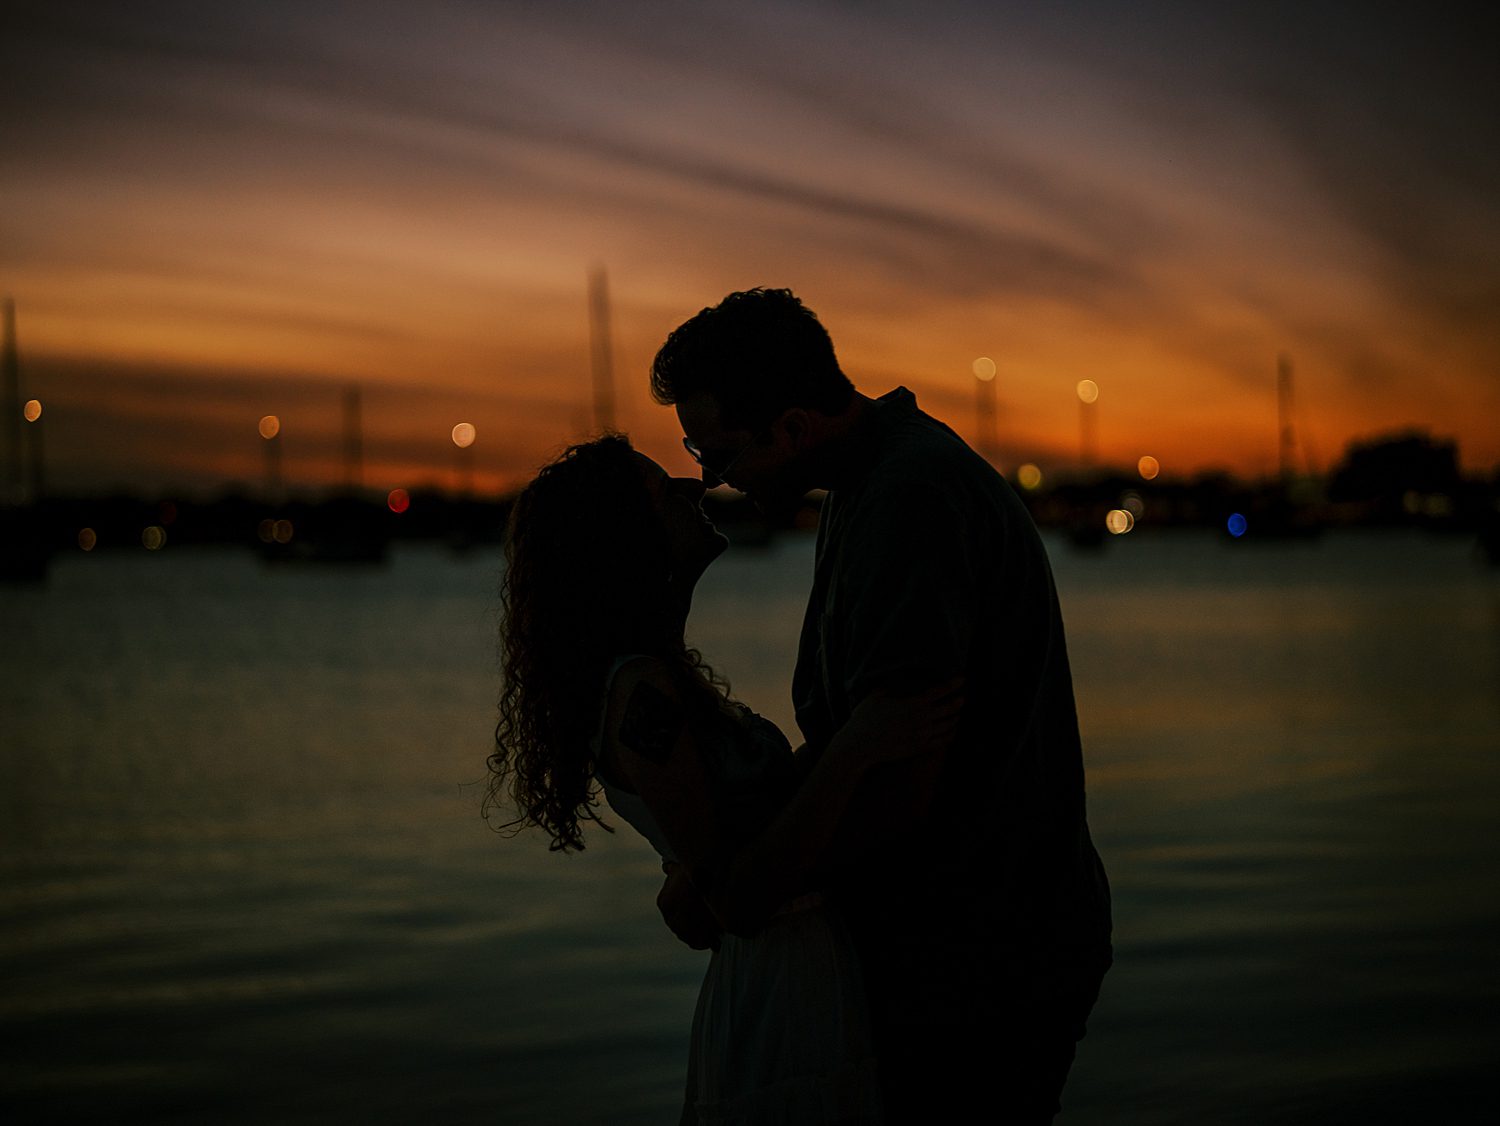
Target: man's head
{"points": [[750, 378]]}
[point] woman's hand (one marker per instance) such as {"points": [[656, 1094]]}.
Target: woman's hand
{"points": [[886, 726], [684, 911]]}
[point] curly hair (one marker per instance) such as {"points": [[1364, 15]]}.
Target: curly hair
{"points": [[586, 582], [757, 352]]}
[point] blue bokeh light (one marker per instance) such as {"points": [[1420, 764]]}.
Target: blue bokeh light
{"points": [[1237, 525]]}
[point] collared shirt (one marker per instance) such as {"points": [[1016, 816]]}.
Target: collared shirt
{"points": [[928, 565]]}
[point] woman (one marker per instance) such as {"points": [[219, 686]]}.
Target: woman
{"points": [[603, 553]]}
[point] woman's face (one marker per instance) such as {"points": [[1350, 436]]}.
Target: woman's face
{"points": [[692, 540]]}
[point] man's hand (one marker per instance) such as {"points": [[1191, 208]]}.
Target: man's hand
{"points": [[684, 911]]}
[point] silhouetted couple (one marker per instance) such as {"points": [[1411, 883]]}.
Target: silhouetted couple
{"points": [[908, 919]]}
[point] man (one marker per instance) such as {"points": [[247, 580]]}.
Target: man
{"points": [[972, 888]]}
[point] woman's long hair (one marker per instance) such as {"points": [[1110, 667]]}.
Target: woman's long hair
{"points": [[587, 581]]}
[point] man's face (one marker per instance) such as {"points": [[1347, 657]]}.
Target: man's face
{"points": [[759, 465]]}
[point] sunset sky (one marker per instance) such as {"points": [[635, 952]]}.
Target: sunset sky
{"points": [[213, 212]]}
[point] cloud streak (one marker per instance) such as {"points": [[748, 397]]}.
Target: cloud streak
{"points": [[1160, 197]]}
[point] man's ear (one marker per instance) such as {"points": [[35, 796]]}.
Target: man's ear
{"points": [[795, 426]]}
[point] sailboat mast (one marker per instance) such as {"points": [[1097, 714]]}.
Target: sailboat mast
{"points": [[601, 351], [353, 440], [13, 484], [1288, 437]]}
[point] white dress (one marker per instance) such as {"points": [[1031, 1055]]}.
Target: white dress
{"points": [[781, 1033]]}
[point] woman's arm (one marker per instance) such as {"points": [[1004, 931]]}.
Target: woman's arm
{"points": [[651, 746]]}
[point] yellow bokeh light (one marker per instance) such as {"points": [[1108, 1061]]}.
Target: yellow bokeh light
{"points": [[154, 538], [1088, 390], [1149, 467], [281, 531], [266, 530], [984, 369], [87, 539], [32, 410], [463, 435], [1119, 521], [270, 426], [1029, 476]]}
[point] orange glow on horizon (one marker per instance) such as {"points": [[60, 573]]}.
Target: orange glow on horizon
{"points": [[429, 239]]}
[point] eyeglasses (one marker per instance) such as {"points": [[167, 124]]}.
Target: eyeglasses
{"points": [[713, 476]]}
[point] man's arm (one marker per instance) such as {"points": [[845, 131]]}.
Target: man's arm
{"points": [[885, 731], [652, 744]]}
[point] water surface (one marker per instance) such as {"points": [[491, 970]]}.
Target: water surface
{"points": [[245, 880]]}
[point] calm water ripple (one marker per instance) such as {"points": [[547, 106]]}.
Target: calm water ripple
{"points": [[245, 879]]}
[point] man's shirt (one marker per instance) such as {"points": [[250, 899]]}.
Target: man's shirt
{"points": [[929, 566]]}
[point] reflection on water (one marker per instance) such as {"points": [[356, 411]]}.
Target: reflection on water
{"points": [[245, 880]]}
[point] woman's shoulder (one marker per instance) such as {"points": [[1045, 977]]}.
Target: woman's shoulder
{"points": [[629, 674], [636, 675], [642, 709]]}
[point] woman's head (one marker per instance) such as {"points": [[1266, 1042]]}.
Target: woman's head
{"points": [[602, 551]]}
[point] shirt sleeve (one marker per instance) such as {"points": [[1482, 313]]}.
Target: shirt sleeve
{"points": [[908, 597]]}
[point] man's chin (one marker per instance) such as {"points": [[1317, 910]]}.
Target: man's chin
{"points": [[779, 510]]}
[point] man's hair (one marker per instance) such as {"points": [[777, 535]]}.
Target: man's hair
{"points": [[757, 353]]}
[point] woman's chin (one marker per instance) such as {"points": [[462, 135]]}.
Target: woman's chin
{"points": [[715, 544], [690, 567]]}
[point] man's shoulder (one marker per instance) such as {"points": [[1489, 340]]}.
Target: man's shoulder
{"points": [[923, 475], [919, 454]]}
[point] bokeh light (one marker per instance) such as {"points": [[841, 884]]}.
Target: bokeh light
{"points": [[1118, 521], [87, 539], [154, 538], [32, 410], [1149, 467], [1029, 476], [1237, 525], [1132, 503], [266, 530], [463, 435], [398, 500], [984, 369], [1088, 390], [281, 531], [270, 426]]}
